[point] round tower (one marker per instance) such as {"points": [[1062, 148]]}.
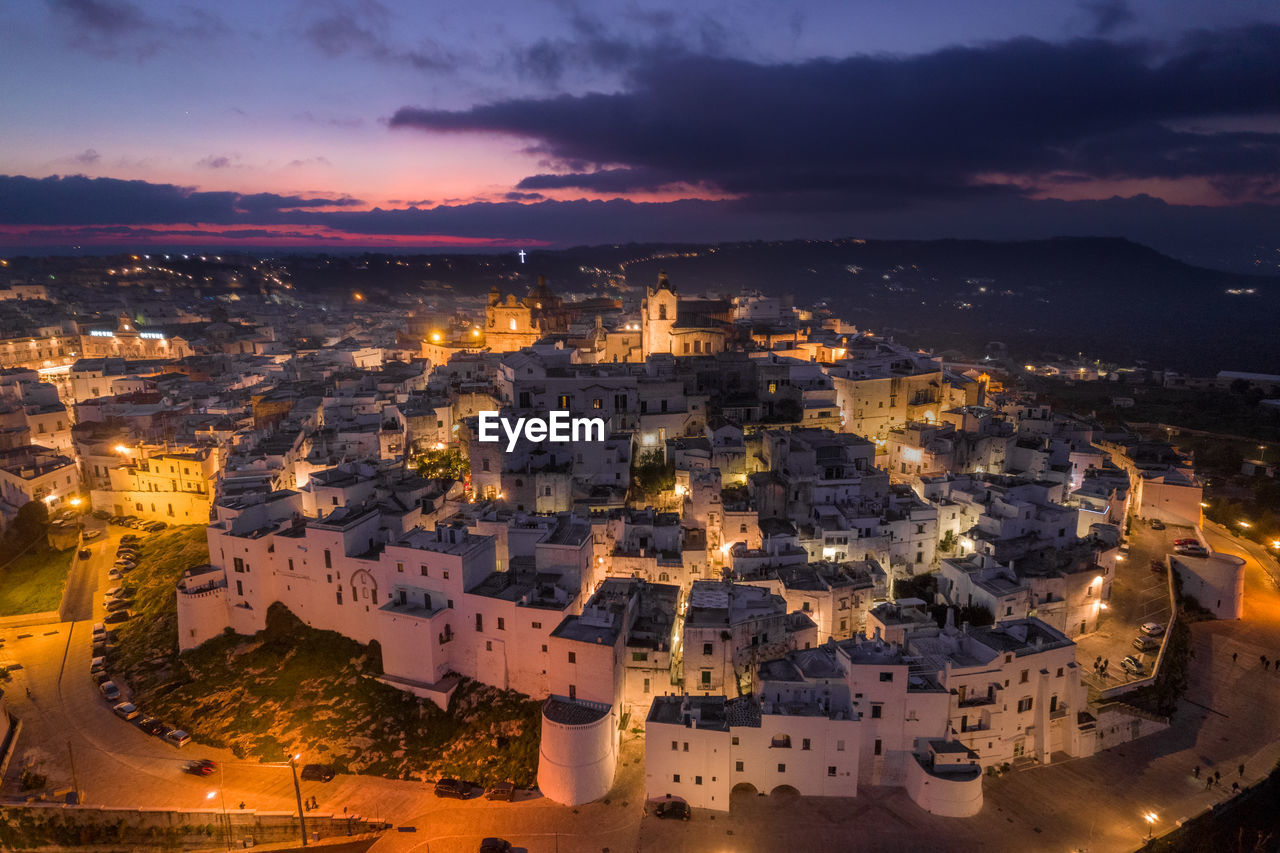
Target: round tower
{"points": [[579, 751]]}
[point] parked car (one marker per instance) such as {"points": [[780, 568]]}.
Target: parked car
{"points": [[501, 791], [115, 605], [162, 730], [677, 809], [119, 616], [155, 526], [1192, 550], [126, 565], [99, 629], [318, 772], [126, 710], [128, 538], [115, 574], [1133, 665], [109, 691], [149, 725], [1145, 644], [199, 767], [101, 514], [1157, 524], [100, 677], [177, 737], [84, 553], [1187, 541], [1152, 629], [98, 664], [495, 845], [90, 535], [452, 788]]}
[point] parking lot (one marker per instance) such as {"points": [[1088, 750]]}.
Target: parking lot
{"points": [[1138, 595]]}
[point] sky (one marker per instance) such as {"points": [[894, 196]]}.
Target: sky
{"points": [[352, 123]]}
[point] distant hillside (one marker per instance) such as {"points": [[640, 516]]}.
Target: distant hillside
{"points": [[1108, 298]]}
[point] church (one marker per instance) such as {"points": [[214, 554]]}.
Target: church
{"points": [[675, 326]]}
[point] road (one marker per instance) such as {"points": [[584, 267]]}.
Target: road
{"points": [[1230, 716]]}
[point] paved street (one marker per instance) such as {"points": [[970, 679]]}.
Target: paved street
{"points": [[1231, 715], [1138, 595]]}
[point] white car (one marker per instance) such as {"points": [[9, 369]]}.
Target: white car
{"points": [[109, 691], [178, 738], [99, 664], [126, 710], [1152, 629]]}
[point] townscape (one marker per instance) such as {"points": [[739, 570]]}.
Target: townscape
{"points": [[802, 563]]}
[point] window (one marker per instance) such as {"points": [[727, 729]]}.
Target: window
{"points": [[423, 569], [737, 765], [445, 574], [780, 742], [675, 745], [1053, 703], [782, 768], [879, 750], [291, 565], [697, 780], [684, 746], [1022, 679], [328, 559], [839, 746], [804, 744], [675, 777], [646, 685], [1059, 672], [399, 567], [877, 711], [831, 770], [886, 676], [240, 588], [563, 401], [239, 564], [597, 403], [706, 648], [706, 678], [1024, 705], [573, 657], [537, 626], [479, 621], [639, 656], [488, 645]]}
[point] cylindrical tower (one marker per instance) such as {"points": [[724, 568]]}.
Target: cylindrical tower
{"points": [[579, 752]]}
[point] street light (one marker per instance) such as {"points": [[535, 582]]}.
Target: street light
{"points": [[1244, 524], [297, 791], [1151, 818]]}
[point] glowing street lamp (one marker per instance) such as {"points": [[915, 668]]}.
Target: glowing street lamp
{"points": [[1244, 524], [1150, 818], [435, 337], [120, 448], [75, 501]]}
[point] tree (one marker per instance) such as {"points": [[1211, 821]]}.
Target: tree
{"points": [[651, 473], [447, 464], [32, 519]]}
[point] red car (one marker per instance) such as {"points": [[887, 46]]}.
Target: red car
{"points": [[199, 767], [1186, 542]]}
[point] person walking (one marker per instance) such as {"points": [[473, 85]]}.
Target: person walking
{"points": [[1234, 655], [1217, 777], [1195, 771], [1241, 771]]}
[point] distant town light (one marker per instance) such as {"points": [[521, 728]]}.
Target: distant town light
{"points": [[435, 337], [1204, 504], [1244, 524], [75, 501], [50, 499], [120, 448]]}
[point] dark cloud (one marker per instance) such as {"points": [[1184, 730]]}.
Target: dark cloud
{"points": [[221, 161], [870, 128], [96, 205], [602, 181], [1107, 15], [365, 28], [78, 200], [120, 28], [89, 156], [519, 196]]}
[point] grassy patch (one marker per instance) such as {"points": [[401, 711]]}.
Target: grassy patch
{"points": [[291, 688], [33, 582]]}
